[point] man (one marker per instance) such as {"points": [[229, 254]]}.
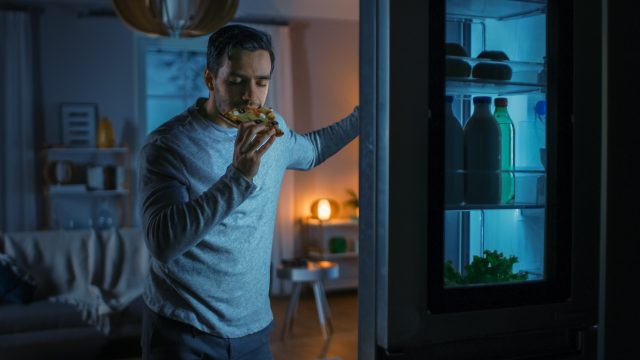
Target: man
{"points": [[209, 195]]}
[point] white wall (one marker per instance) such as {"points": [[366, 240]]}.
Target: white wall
{"points": [[301, 9], [326, 73], [88, 59]]}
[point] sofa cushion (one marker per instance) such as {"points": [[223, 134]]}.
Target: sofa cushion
{"points": [[47, 315], [98, 272], [16, 285]]}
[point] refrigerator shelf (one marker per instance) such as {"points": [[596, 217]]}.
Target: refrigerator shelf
{"points": [[516, 206], [465, 86], [494, 9], [516, 66]]}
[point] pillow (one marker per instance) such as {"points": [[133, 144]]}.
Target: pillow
{"points": [[16, 286]]}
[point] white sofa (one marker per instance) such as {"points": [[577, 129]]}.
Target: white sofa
{"points": [[87, 303]]}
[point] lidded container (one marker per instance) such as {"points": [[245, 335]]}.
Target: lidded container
{"points": [[482, 152]]}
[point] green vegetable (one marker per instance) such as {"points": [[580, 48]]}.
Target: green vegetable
{"points": [[493, 267]]}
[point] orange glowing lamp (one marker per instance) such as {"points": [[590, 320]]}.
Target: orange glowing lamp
{"points": [[324, 209]]}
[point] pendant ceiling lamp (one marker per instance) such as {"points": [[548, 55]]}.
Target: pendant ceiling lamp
{"points": [[176, 18]]}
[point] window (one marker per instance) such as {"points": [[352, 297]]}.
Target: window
{"points": [[174, 80], [171, 77]]}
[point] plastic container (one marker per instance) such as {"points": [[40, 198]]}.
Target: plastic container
{"points": [[453, 156], [482, 155], [507, 151]]}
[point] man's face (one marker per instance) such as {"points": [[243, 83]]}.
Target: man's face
{"points": [[242, 81]]}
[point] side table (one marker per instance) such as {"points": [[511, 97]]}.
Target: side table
{"points": [[314, 273]]}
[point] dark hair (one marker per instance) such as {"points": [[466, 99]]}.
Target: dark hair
{"points": [[231, 37]]}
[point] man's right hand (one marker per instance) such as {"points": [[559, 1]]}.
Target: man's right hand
{"points": [[252, 142]]}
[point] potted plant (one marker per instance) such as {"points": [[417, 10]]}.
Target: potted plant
{"points": [[353, 202]]}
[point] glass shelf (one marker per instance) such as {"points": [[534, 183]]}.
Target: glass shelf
{"points": [[516, 66], [528, 187], [465, 86], [515, 206], [494, 9]]}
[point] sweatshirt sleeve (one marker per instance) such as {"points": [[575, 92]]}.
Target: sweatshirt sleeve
{"points": [[311, 149], [172, 221]]}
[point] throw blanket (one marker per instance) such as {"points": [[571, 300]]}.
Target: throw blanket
{"points": [[99, 272]]}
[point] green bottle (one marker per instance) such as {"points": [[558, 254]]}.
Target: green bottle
{"points": [[507, 151]]}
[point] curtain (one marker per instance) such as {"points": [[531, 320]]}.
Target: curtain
{"points": [[18, 209], [281, 99]]}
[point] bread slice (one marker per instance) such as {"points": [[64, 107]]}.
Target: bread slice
{"points": [[493, 55], [492, 71], [457, 68], [454, 49], [237, 116]]}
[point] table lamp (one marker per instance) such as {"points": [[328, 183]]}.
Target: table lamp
{"points": [[324, 209]]}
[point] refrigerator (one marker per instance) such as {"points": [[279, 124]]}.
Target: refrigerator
{"points": [[479, 231]]}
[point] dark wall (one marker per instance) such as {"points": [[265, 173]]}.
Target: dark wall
{"points": [[622, 242]]}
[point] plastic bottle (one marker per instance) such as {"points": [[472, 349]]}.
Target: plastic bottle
{"points": [[507, 151], [453, 156], [482, 154]]}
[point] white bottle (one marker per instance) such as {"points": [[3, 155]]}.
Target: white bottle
{"points": [[482, 154], [453, 156]]}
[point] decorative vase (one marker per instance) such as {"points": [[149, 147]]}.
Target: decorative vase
{"points": [[106, 136]]}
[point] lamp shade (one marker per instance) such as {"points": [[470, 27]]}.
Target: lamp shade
{"points": [[178, 18], [324, 209]]}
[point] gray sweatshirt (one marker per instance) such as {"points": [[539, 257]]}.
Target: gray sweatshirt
{"points": [[209, 229]]}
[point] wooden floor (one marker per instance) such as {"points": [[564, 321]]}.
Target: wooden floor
{"points": [[305, 342]]}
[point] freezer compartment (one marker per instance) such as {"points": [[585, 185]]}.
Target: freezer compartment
{"points": [[540, 344]]}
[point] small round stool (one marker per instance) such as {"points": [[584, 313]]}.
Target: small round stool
{"points": [[314, 274]]}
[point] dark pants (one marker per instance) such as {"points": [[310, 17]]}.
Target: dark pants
{"points": [[164, 338]]}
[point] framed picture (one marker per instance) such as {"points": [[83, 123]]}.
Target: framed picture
{"points": [[79, 124]]}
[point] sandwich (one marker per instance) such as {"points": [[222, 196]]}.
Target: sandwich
{"points": [[237, 116]]}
